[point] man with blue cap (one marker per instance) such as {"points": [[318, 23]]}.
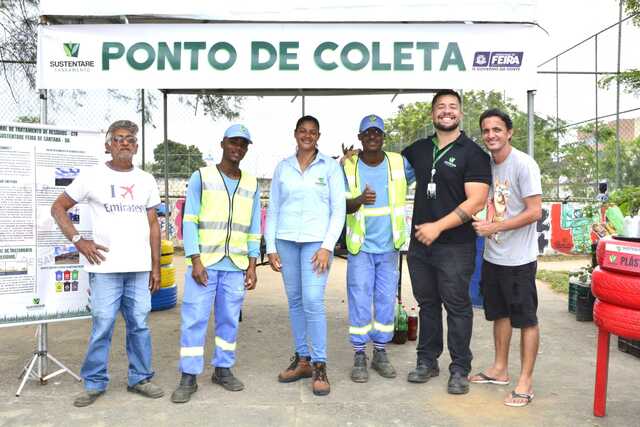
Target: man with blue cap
{"points": [[221, 245], [376, 190]]}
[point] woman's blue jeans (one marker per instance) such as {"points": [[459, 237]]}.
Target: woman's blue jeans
{"points": [[305, 292]]}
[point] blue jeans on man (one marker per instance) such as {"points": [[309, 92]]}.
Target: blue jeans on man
{"points": [[129, 294]]}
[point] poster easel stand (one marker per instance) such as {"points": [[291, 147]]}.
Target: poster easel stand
{"points": [[41, 358]]}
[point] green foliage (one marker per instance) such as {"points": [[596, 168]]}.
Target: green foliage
{"points": [[632, 7], [578, 160], [627, 199], [629, 79], [413, 121], [28, 119], [183, 160], [557, 280]]}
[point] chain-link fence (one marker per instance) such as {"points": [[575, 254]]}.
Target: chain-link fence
{"points": [[584, 131], [596, 122]]}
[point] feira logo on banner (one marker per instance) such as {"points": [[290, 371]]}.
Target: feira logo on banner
{"points": [[497, 60], [285, 55]]}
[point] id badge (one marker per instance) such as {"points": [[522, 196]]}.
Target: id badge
{"points": [[431, 190]]}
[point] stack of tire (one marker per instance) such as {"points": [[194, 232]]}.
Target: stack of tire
{"points": [[616, 285], [617, 288], [167, 295]]}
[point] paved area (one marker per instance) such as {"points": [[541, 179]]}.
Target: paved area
{"points": [[563, 385]]}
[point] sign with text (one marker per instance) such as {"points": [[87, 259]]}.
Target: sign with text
{"points": [[287, 56], [41, 275]]}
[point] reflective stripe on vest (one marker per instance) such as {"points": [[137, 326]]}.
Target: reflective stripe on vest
{"points": [[224, 220], [397, 192]]}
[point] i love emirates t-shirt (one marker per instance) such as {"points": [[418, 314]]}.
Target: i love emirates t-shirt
{"points": [[118, 203]]}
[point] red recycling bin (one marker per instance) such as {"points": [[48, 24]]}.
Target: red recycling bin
{"points": [[616, 285]]}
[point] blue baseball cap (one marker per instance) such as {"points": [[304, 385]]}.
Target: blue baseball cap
{"points": [[238, 130], [371, 121]]}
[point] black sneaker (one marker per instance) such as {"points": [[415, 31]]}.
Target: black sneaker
{"points": [[422, 373], [186, 388], [359, 373], [458, 384], [225, 378]]}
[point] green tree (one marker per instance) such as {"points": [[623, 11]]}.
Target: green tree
{"points": [[413, 121], [630, 78], [19, 42], [28, 119], [182, 160], [578, 160]]}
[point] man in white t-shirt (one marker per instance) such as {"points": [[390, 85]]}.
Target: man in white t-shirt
{"points": [[510, 256], [122, 257]]}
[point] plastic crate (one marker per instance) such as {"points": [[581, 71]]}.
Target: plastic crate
{"points": [[573, 295], [629, 346], [584, 303]]}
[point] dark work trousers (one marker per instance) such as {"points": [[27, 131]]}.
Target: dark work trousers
{"points": [[440, 274]]}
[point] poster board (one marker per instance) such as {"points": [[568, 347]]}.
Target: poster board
{"points": [[41, 275]]}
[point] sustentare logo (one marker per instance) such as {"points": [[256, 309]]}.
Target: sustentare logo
{"points": [[72, 62], [71, 49]]}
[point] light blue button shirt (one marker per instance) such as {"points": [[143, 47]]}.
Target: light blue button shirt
{"points": [[306, 206]]}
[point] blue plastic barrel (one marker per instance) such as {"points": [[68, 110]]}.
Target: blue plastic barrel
{"points": [[474, 284], [164, 299]]}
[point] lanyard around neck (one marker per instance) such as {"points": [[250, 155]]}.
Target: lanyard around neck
{"points": [[437, 154]]}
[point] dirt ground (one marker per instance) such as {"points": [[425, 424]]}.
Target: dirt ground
{"points": [[563, 383]]}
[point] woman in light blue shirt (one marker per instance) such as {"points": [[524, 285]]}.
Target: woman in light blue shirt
{"points": [[305, 218]]}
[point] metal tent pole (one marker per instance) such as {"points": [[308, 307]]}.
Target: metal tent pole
{"points": [[531, 121], [618, 172], [166, 166], [142, 94]]}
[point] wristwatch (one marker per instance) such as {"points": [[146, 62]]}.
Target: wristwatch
{"points": [[75, 239]]}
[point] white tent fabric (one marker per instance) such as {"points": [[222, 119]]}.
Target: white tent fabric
{"points": [[296, 11]]}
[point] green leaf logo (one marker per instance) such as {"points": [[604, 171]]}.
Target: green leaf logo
{"points": [[372, 118], [452, 159], [612, 258], [71, 49], [36, 301]]}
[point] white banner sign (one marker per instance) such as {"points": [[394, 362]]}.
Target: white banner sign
{"points": [[288, 56], [41, 278]]}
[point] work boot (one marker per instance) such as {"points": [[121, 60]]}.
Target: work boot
{"points": [[147, 389], [380, 363], [458, 384], [320, 382], [298, 369], [225, 378], [87, 397], [186, 388], [422, 373], [359, 373]]}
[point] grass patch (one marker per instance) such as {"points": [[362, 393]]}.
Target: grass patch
{"points": [[557, 280], [561, 258]]}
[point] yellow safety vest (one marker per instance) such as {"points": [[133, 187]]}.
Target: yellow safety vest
{"points": [[397, 189], [224, 220]]}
